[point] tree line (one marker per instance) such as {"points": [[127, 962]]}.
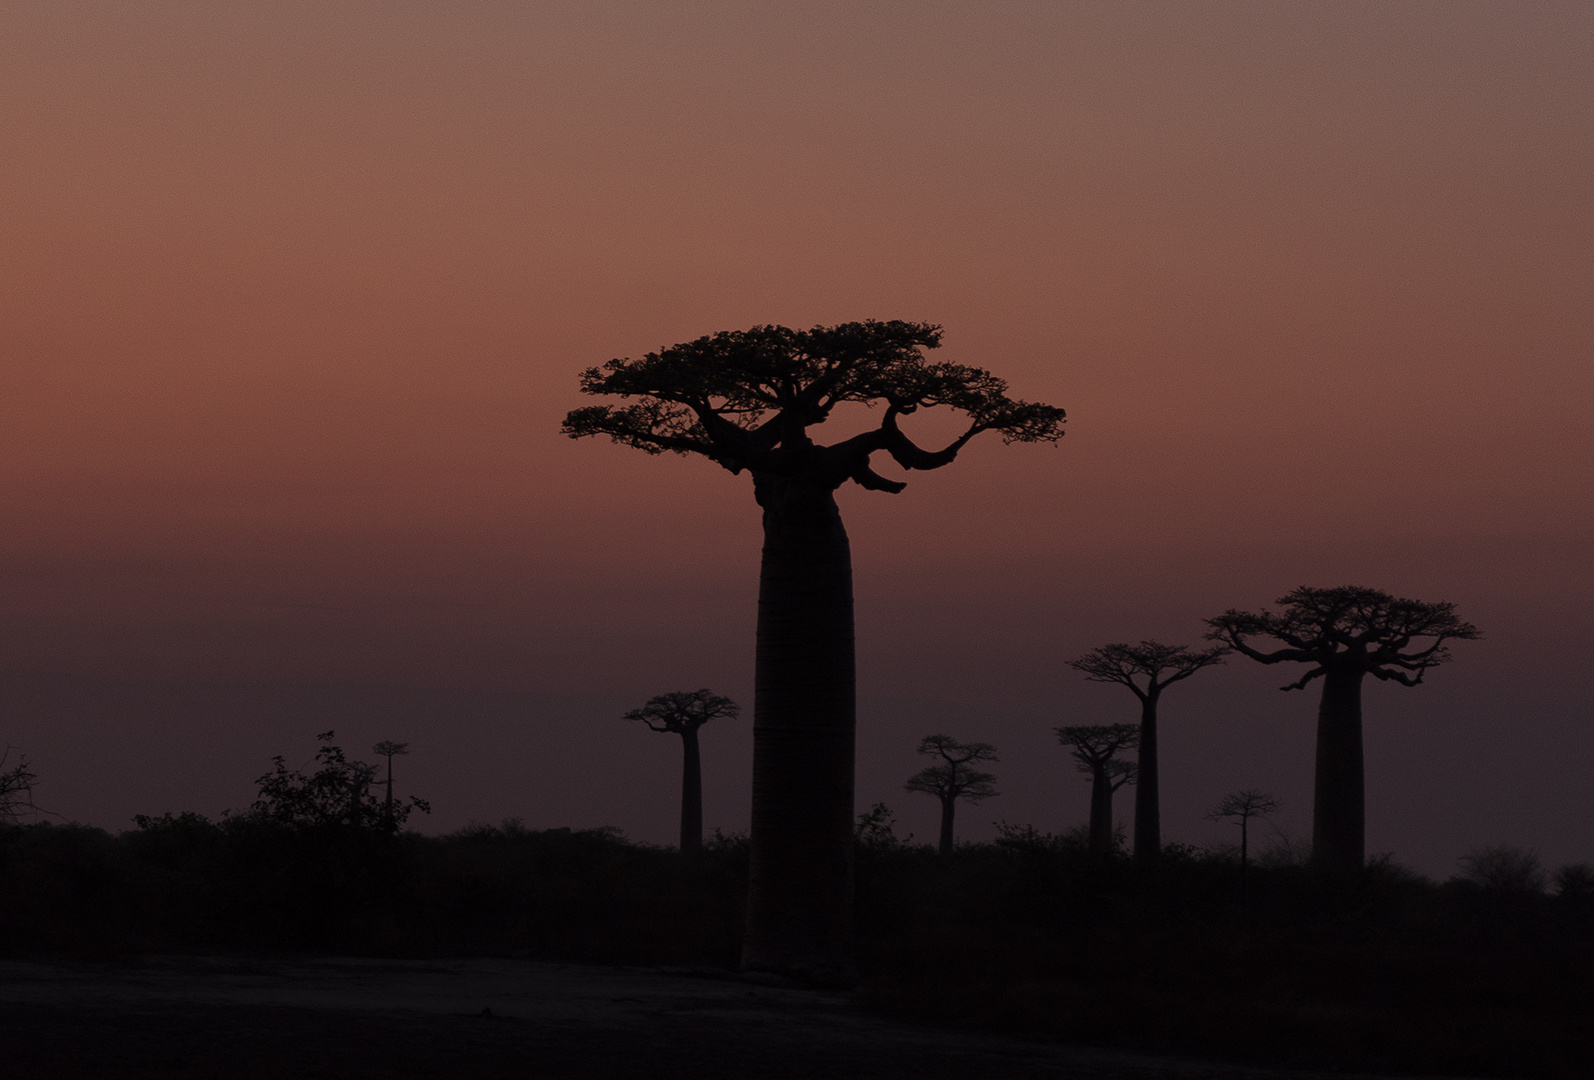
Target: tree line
{"points": [[748, 401]]}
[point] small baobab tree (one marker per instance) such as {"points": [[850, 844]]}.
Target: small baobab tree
{"points": [[1241, 807], [1148, 669], [682, 713], [1096, 748], [1346, 634], [390, 750], [747, 401], [953, 778]]}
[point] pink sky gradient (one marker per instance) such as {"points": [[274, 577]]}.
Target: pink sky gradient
{"points": [[293, 298]]}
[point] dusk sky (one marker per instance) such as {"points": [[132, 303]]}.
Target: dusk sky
{"points": [[294, 296]]}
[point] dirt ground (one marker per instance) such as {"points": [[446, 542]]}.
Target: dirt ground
{"points": [[334, 1018]]}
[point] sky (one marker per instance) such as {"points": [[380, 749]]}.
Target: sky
{"points": [[293, 298]]}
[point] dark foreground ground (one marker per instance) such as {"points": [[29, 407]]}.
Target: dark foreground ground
{"points": [[333, 1018]]}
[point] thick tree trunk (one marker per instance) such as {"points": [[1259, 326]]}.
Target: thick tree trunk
{"points": [[948, 808], [799, 897], [1339, 839], [691, 793], [1100, 811], [1148, 810]]}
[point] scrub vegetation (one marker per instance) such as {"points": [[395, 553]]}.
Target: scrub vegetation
{"points": [[1490, 973]]}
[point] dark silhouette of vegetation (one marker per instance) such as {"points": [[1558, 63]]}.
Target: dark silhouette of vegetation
{"points": [[953, 778], [336, 794], [1096, 749], [1504, 869], [16, 788], [746, 400], [1381, 972], [1241, 807], [1346, 634], [682, 713], [1148, 669], [390, 750]]}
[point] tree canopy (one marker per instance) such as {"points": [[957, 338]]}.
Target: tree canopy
{"points": [[683, 711], [745, 399], [951, 778], [1364, 628], [1156, 663]]}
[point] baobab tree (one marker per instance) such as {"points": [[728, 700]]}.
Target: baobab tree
{"points": [[1096, 748], [953, 778], [390, 750], [1346, 634], [682, 713], [1148, 669], [1241, 807], [746, 401]]}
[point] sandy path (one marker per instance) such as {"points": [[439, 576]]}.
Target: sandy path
{"points": [[209, 1017]]}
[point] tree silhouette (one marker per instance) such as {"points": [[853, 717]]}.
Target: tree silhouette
{"points": [[1096, 748], [16, 788], [335, 795], [746, 401], [390, 750], [682, 713], [1345, 634], [952, 778], [1157, 666], [1242, 806]]}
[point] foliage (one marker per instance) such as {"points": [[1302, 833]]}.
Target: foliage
{"points": [[1386, 972], [950, 778], [16, 788], [876, 830], [684, 711], [1504, 869], [1366, 627], [338, 793], [746, 398], [1158, 664]]}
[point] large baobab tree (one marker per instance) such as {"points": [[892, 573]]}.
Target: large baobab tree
{"points": [[682, 713], [1096, 748], [953, 778], [746, 400], [1346, 634], [1148, 669]]}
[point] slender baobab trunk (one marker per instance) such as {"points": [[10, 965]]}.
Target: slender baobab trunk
{"points": [[1339, 838], [799, 896], [1148, 810], [691, 793], [948, 809], [1100, 810]]}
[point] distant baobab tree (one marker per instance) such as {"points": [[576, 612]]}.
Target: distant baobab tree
{"points": [[682, 713], [1147, 669], [1345, 634], [390, 750], [1096, 748], [953, 778], [1241, 807], [746, 401]]}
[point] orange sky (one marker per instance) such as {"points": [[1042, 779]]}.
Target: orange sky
{"points": [[293, 297]]}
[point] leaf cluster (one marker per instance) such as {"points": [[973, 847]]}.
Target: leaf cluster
{"points": [[951, 777], [336, 794], [746, 398], [1158, 664], [1348, 626], [684, 711]]}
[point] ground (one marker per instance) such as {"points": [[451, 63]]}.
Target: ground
{"points": [[333, 1018]]}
